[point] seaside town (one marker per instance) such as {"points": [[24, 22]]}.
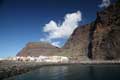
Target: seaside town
{"points": [[51, 59]]}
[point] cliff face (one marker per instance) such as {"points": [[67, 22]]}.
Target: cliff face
{"points": [[77, 44], [37, 49], [106, 36], [100, 39]]}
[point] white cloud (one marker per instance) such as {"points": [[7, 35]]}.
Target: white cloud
{"points": [[105, 3], [51, 26], [57, 44], [63, 30]]}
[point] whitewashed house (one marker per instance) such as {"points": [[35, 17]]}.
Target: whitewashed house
{"points": [[29, 58], [64, 59], [42, 58], [53, 59]]}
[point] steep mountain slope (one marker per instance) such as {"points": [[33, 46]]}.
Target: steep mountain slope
{"points": [[106, 37], [77, 44], [99, 39]]}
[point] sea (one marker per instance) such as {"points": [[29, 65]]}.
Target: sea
{"points": [[73, 72]]}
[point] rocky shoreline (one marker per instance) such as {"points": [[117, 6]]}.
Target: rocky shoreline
{"points": [[13, 68]]}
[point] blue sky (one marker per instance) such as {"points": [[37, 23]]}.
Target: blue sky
{"points": [[23, 21]]}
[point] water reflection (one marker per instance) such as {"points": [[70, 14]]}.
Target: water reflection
{"points": [[73, 72]]}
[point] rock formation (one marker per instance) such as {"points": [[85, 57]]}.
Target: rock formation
{"points": [[106, 36], [99, 39], [77, 44]]}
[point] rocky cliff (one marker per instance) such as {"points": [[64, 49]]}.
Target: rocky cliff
{"points": [[77, 44], [99, 39], [106, 36]]}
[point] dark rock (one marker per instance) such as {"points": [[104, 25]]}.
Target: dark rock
{"points": [[99, 39], [106, 36]]}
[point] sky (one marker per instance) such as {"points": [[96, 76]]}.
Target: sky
{"points": [[52, 21]]}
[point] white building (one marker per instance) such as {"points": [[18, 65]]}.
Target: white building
{"points": [[53, 59]]}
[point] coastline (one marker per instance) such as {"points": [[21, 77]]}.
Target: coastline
{"points": [[13, 68]]}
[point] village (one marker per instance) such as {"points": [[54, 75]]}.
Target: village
{"points": [[51, 59]]}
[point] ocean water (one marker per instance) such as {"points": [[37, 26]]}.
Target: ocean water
{"points": [[73, 72]]}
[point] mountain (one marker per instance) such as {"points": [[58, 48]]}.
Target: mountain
{"points": [[38, 48], [106, 39], [99, 40], [77, 44]]}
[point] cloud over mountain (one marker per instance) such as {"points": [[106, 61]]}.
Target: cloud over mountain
{"points": [[63, 30]]}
